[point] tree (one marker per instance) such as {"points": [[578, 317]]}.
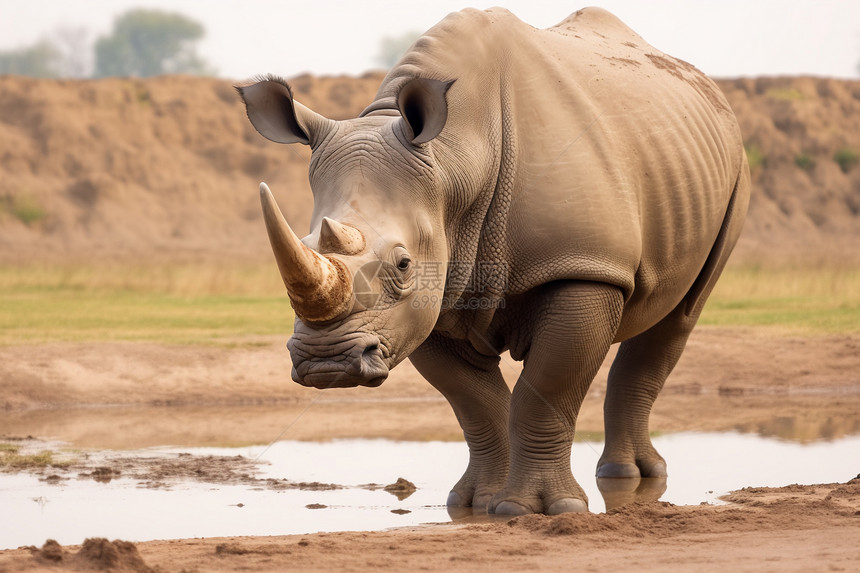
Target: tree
{"points": [[391, 48], [150, 42], [42, 60], [65, 53]]}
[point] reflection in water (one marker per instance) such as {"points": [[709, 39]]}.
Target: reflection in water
{"points": [[802, 418], [617, 492], [701, 468], [128, 428], [474, 515], [806, 429]]}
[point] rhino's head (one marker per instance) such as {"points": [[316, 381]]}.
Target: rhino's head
{"points": [[362, 304]]}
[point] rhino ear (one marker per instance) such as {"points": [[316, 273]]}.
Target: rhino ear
{"points": [[423, 105], [277, 117]]}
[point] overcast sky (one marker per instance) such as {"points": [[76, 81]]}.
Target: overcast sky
{"points": [[725, 38]]}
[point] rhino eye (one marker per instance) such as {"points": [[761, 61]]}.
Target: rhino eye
{"points": [[401, 280], [402, 259]]}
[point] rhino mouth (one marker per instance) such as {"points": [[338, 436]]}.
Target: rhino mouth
{"points": [[342, 362]]}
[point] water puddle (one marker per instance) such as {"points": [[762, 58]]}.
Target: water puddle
{"points": [[306, 487]]}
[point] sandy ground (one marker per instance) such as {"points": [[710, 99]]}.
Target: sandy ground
{"points": [[131, 395]]}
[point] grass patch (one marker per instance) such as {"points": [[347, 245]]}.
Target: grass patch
{"points": [[176, 304], [142, 95], [230, 305], [846, 158], [755, 156], [12, 460], [804, 161], [811, 300], [25, 208], [785, 94], [174, 279]]}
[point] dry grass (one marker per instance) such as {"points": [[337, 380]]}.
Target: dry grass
{"points": [[12, 459], [179, 304], [172, 278], [220, 303], [814, 299]]}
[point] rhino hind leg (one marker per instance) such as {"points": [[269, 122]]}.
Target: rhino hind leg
{"points": [[474, 386], [645, 361], [571, 330], [637, 375]]}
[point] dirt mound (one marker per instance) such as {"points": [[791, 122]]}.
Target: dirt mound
{"points": [[164, 166], [96, 554], [169, 166], [794, 506], [803, 140]]}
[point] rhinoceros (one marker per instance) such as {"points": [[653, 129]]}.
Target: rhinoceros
{"points": [[543, 192]]}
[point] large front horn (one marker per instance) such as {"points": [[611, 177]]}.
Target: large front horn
{"points": [[320, 288]]}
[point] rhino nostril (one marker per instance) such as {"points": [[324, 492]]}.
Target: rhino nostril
{"points": [[372, 365]]}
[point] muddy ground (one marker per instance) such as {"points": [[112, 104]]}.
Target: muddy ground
{"points": [[131, 395], [794, 528]]}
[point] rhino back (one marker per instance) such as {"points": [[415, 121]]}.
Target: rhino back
{"points": [[612, 161]]}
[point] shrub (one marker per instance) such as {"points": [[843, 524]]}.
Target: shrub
{"points": [[846, 158], [804, 161], [25, 208]]}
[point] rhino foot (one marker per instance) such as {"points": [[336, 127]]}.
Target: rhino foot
{"points": [[567, 505], [564, 505], [616, 470], [456, 500], [641, 468], [511, 508], [506, 503], [473, 499]]}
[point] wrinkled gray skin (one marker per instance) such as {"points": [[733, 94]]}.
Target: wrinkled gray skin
{"points": [[604, 184]]}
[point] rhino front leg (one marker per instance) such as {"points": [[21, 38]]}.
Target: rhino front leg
{"points": [[473, 385], [570, 333]]}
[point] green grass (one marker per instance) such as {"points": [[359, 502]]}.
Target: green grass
{"points": [[811, 300], [172, 304], [755, 156], [785, 94], [847, 158], [230, 305], [24, 207], [804, 161], [11, 459]]}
